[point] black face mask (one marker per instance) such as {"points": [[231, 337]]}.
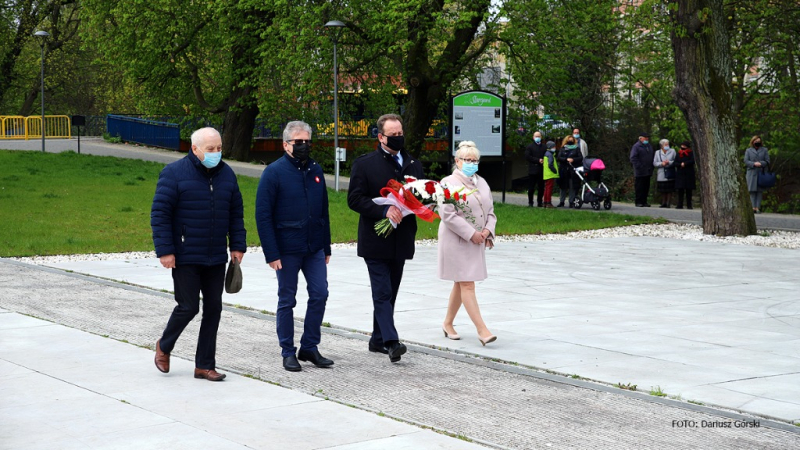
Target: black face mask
{"points": [[757, 144], [396, 143], [301, 151]]}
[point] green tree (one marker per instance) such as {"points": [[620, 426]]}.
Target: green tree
{"points": [[191, 57], [19, 19], [420, 47], [563, 54]]}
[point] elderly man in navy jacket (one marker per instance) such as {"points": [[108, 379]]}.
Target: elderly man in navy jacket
{"points": [[385, 256], [197, 214], [295, 231], [642, 162]]}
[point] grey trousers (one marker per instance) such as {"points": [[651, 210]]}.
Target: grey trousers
{"points": [[755, 198]]}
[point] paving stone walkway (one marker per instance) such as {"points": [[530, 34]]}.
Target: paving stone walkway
{"points": [[500, 406]]}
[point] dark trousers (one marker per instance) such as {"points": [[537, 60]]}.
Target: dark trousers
{"points": [[316, 274], [384, 278], [190, 280], [574, 188], [563, 185], [685, 193], [535, 183], [641, 186], [569, 183]]}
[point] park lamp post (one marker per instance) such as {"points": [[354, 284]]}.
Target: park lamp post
{"points": [[335, 25], [43, 35]]}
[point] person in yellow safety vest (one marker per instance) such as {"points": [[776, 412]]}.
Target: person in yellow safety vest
{"points": [[550, 173]]}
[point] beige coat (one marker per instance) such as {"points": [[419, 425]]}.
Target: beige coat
{"points": [[459, 258]]}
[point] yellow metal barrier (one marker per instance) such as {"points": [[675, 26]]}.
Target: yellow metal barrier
{"points": [[19, 127], [13, 127]]}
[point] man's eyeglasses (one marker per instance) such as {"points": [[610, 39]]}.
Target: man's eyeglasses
{"points": [[471, 161], [299, 141]]}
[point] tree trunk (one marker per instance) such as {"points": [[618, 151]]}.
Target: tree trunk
{"points": [[33, 94], [238, 126], [419, 114], [700, 40]]}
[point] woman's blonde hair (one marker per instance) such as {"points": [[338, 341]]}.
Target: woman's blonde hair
{"points": [[467, 148], [566, 139], [754, 139]]}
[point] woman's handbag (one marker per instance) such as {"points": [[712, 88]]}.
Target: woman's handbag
{"points": [[766, 179], [669, 173], [233, 279]]}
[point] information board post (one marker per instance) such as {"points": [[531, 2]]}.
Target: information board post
{"points": [[480, 116]]}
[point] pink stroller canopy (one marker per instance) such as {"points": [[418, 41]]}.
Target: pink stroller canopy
{"points": [[593, 164]]}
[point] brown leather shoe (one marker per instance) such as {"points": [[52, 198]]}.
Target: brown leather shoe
{"points": [[209, 374], [162, 359]]}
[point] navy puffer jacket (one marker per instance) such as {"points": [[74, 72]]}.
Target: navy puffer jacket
{"points": [[196, 212], [292, 209]]}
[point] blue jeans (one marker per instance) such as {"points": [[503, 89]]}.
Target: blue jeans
{"points": [[316, 275]]}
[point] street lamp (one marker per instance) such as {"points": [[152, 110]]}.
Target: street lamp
{"points": [[43, 35], [335, 24]]}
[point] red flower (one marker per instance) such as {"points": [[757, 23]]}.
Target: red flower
{"points": [[429, 187], [447, 194], [456, 196]]}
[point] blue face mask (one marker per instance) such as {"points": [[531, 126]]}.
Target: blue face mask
{"points": [[576, 136], [469, 169], [645, 142], [211, 159], [538, 140]]}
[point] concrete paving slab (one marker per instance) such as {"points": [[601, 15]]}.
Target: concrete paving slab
{"points": [[103, 393], [406, 442], [618, 298], [466, 396]]}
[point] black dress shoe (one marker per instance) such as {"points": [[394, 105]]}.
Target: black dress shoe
{"points": [[314, 357], [291, 364], [560, 205], [646, 205], [377, 349], [640, 205], [395, 350]]}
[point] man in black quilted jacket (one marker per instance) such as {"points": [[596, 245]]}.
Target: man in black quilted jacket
{"points": [[197, 215]]}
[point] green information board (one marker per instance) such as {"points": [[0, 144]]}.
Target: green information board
{"points": [[478, 116]]}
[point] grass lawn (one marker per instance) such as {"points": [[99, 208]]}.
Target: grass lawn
{"points": [[54, 204]]}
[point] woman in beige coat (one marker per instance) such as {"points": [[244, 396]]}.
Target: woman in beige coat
{"points": [[463, 239]]}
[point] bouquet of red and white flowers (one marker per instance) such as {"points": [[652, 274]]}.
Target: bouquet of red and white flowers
{"points": [[419, 197]]}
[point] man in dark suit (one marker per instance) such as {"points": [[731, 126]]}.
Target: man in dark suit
{"points": [[642, 161], [384, 256], [534, 153]]}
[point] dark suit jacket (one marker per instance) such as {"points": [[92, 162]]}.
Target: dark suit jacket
{"points": [[369, 174], [533, 153]]}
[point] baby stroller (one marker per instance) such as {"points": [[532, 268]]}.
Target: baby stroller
{"points": [[592, 173]]}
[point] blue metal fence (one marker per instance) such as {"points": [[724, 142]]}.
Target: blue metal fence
{"points": [[143, 131]]}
